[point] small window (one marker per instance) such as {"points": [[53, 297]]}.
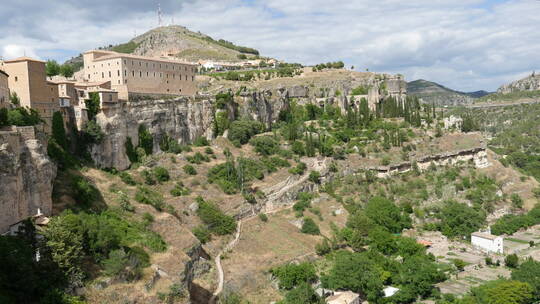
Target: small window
{"points": [[118, 73], [110, 74], [140, 73], [16, 78]]}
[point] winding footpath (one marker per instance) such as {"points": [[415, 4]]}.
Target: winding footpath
{"points": [[283, 187]]}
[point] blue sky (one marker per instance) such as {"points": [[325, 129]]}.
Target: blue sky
{"points": [[466, 45]]}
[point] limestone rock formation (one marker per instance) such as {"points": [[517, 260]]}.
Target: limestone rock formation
{"points": [[26, 177], [182, 119], [529, 83]]}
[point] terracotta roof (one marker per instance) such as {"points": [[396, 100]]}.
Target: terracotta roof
{"points": [[485, 235], [424, 243], [113, 55], [21, 59]]}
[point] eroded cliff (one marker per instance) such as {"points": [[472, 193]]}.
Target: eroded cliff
{"points": [[26, 177]]}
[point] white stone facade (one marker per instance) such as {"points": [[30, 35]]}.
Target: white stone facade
{"points": [[487, 242]]}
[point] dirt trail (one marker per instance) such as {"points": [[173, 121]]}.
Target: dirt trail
{"points": [[273, 195]]}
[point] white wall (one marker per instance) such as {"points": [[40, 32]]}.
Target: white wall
{"points": [[488, 245]]}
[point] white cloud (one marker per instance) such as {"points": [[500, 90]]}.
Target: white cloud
{"points": [[466, 45], [12, 51]]}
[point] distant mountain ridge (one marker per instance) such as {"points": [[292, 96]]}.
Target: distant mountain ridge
{"points": [[432, 92]]}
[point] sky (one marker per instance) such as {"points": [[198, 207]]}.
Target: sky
{"points": [[467, 45]]}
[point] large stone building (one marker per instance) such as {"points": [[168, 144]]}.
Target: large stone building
{"points": [[4, 90], [137, 75], [27, 78]]}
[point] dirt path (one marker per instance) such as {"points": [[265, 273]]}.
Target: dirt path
{"points": [[317, 165]]}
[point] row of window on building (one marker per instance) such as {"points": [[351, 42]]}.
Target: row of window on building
{"points": [[147, 75]]}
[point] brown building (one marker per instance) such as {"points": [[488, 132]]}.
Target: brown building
{"points": [[4, 91], [138, 75], [29, 81]]}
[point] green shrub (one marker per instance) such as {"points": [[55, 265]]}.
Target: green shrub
{"points": [[180, 190], [126, 178], [310, 227], [146, 141], [291, 275], [263, 217], [58, 131], [209, 151], [218, 222], [149, 197], [265, 145], [203, 234], [148, 177], [299, 169], [511, 260], [315, 177], [190, 170], [197, 158], [161, 174], [243, 130], [85, 193], [200, 142]]}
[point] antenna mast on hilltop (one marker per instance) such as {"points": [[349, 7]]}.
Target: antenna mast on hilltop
{"points": [[159, 15]]}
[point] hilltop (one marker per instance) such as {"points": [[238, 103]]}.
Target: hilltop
{"points": [[178, 41], [524, 90], [432, 92]]}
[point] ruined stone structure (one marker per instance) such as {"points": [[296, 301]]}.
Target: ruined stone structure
{"points": [[26, 176]]}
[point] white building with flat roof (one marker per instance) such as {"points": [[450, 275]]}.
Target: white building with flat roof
{"points": [[487, 242]]}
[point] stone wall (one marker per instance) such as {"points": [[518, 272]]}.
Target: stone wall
{"points": [[26, 177]]}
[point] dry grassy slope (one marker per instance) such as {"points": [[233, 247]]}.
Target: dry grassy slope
{"points": [[178, 237], [180, 42], [511, 180], [263, 246]]}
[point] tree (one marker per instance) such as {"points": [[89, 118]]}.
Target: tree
{"points": [[529, 272], [14, 99], [304, 294], [511, 260], [458, 219], [52, 68], [315, 177], [92, 105], [355, 272], [502, 292], [146, 141], [310, 227], [291, 275], [66, 70], [265, 145], [385, 213], [58, 131]]}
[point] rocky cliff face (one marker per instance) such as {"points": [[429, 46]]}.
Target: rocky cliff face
{"points": [[530, 83], [26, 177], [183, 119]]}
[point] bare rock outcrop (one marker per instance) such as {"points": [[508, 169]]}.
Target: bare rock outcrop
{"points": [[182, 119], [26, 177], [530, 83]]}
